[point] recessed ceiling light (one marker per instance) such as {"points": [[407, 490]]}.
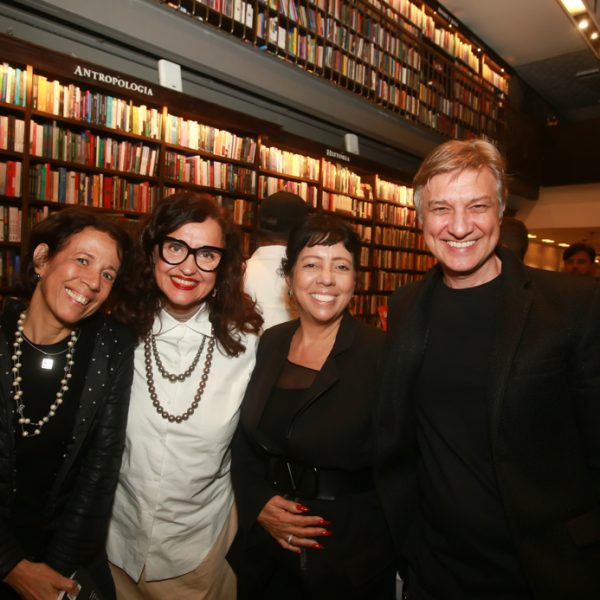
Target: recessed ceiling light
{"points": [[548, 241], [531, 236], [574, 7], [583, 24], [594, 35], [563, 245]]}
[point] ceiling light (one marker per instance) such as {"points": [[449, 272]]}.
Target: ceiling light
{"points": [[573, 7], [531, 236], [563, 245], [582, 15], [547, 241]]}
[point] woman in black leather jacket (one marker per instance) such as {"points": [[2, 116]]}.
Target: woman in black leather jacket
{"points": [[65, 375]]}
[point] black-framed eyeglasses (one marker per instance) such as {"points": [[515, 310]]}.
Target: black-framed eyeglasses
{"points": [[174, 252]]}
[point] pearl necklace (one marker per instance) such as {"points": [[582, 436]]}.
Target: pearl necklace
{"points": [[27, 427], [161, 369], [199, 392]]}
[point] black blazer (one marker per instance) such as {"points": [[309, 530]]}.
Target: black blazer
{"points": [[79, 504], [544, 421], [332, 429]]}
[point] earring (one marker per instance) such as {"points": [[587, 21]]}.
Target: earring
{"points": [[37, 277], [290, 293], [214, 293]]}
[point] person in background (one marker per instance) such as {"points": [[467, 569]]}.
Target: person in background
{"points": [[579, 259], [488, 426], [310, 525], [263, 279], [513, 235], [64, 390], [173, 517]]}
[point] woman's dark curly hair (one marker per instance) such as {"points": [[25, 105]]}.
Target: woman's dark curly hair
{"points": [[231, 310], [56, 230]]}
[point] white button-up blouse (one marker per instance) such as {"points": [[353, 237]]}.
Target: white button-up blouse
{"points": [[174, 492]]}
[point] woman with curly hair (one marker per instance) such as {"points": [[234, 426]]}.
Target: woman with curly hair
{"points": [[173, 520]]}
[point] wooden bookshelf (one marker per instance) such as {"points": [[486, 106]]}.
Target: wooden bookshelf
{"points": [[400, 54], [77, 133]]}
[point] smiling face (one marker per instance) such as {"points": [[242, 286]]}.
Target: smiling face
{"points": [[76, 281], [185, 286], [322, 282], [461, 226]]}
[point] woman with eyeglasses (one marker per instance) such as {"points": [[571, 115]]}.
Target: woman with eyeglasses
{"points": [[172, 519]]}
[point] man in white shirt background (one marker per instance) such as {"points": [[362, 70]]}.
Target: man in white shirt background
{"points": [[264, 280]]}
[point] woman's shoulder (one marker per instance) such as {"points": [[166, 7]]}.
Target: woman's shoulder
{"points": [[365, 333], [111, 331]]}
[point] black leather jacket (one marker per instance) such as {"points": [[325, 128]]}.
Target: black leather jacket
{"points": [[78, 507]]}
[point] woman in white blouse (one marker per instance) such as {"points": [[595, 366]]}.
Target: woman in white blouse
{"points": [[173, 520]]}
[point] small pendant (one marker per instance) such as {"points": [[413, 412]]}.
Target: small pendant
{"points": [[47, 363]]}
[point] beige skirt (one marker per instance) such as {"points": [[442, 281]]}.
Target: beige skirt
{"points": [[213, 579]]}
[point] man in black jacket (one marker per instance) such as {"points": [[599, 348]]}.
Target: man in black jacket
{"points": [[488, 427]]}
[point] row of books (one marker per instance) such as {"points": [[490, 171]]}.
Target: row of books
{"points": [[65, 186], [389, 281], [341, 179], [70, 101], [290, 163], [13, 85], [208, 173], [12, 133], [10, 178], [365, 305], [196, 136], [50, 141], [402, 259], [363, 231], [10, 223], [242, 211], [400, 238], [394, 192], [10, 262], [362, 209], [270, 185], [395, 215]]}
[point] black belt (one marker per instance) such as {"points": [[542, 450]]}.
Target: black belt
{"points": [[294, 478]]}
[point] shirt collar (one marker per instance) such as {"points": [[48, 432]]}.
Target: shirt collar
{"points": [[198, 323]]}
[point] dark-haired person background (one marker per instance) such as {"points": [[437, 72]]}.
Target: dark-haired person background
{"points": [[579, 259], [173, 519], [310, 525], [66, 372]]}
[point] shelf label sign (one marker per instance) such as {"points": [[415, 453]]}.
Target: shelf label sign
{"points": [[131, 86], [338, 155]]}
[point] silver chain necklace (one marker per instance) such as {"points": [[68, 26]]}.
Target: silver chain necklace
{"points": [[199, 392], [29, 428], [47, 362]]}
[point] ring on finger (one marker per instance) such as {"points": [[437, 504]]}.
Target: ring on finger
{"points": [[289, 538]]}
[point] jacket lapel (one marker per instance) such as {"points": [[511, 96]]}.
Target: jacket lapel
{"points": [[329, 373], [265, 378], [405, 346], [515, 306]]}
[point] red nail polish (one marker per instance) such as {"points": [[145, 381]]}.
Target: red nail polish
{"points": [[302, 508], [326, 532], [324, 522], [318, 546]]}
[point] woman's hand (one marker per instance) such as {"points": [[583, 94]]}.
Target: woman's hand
{"points": [[292, 529], [37, 581]]}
